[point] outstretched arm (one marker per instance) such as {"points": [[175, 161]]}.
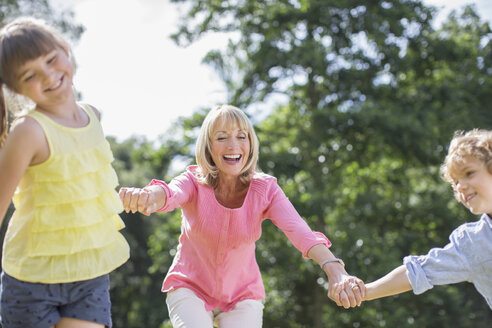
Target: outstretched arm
{"points": [[395, 282], [144, 200]]}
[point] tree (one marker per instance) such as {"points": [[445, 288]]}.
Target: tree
{"points": [[374, 94]]}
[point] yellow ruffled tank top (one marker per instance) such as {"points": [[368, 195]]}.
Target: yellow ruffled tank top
{"points": [[65, 227]]}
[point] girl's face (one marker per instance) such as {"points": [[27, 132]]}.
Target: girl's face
{"points": [[473, 184], [46, 80], [230, 149]]}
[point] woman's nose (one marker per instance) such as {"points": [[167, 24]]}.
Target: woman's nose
{"points": [[231, 144]]}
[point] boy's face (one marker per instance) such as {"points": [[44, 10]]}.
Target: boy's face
{"points": [[473, 185]]}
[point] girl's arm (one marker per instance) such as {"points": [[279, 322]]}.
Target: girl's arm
{"points": [[395, 282], [25, 145]]}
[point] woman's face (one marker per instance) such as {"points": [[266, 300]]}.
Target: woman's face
{"points": [[230, 148]]}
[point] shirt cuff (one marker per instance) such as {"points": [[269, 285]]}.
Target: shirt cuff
{"points": [[166, 190], [416, 274], [319, 239]]}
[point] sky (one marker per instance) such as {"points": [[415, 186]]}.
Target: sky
{"points": [[141, 81]]}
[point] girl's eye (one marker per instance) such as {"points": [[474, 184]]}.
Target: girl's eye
{"points": [[29, 78], [52, 59], [469, 173]]}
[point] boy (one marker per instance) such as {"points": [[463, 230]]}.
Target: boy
{"points": [[468, 256]]}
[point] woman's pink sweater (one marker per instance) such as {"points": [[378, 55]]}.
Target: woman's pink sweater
{"points": [[216, 253]]}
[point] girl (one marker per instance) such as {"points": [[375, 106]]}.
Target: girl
{"points": [[63, 238], [224, 200]]}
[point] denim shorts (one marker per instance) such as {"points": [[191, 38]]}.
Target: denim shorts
{"points": [[37, 305]]}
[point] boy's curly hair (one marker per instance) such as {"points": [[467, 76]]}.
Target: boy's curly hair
{"points": [[476, 143]]}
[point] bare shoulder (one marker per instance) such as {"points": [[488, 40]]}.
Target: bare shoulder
{"points": [[28, 135], [25, 128], [24, 144]]}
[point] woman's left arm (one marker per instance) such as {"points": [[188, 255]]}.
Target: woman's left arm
{"points": [[314, 245]]}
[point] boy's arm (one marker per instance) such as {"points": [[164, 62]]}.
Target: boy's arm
{"points": [[395, 282]]}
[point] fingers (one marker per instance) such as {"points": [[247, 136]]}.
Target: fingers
{"points": [[349, 293], [334, 293], [136, 199], [354, 294], [362, 288]]}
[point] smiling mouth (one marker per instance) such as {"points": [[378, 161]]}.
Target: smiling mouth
{"points": [[470, 197], [60, 81], [233, 159]]}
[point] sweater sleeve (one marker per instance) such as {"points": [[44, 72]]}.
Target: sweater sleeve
{"points": [[285, 217], [178, 192]]}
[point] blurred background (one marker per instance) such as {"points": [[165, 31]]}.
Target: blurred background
{"points": [[354, 103]]}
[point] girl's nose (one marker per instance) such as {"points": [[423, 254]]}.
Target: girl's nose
{"points": [[49, 76]]}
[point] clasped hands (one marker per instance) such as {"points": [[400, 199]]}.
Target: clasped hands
{"points": [[349, 292], [144, 200]]}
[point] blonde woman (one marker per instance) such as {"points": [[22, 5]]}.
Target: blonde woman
{"points": [[224, 200]]}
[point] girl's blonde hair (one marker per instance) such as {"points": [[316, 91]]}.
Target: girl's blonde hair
{"points": [[208, 173], [476, 143], [22, 40]]}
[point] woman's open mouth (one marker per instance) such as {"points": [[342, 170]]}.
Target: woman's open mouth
{"points": [[232, 159]]}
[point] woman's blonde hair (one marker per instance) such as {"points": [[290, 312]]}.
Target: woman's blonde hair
{"points": [[476, 143], [224, 114], [22, 40]]}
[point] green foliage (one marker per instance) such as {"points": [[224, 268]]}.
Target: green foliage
{"points": [[375, 94], [63, 20]]}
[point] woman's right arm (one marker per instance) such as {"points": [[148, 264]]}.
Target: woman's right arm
{"points": [[25, 145], [158, 196], [144, 200]]}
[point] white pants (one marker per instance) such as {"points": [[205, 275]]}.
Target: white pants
{"points": [[186, 310]]}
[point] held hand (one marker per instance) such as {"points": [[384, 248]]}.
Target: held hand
{"points": [[143, 200], [345, 290], [354, 290]]}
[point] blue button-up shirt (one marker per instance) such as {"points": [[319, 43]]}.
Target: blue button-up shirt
{"points": [[468, 257]]}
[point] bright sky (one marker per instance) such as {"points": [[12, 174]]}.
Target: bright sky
{"points": [[140, 80]]}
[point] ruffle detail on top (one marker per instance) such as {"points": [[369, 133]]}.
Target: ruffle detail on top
{"points": [[74, 240], [66, 166], [93, 211], [87, 264], [81, 188]]}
